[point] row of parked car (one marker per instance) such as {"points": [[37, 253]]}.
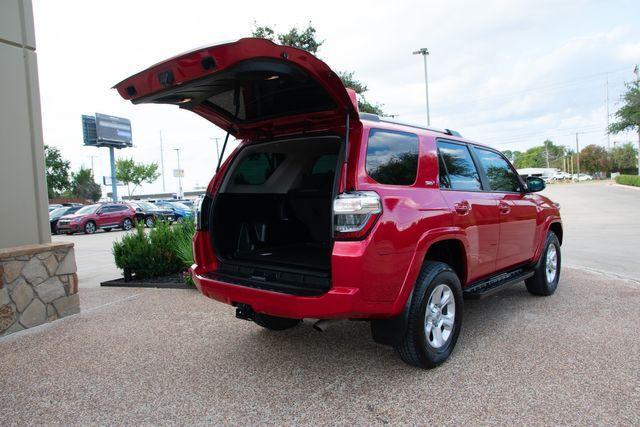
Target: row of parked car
{"points": [[566, 176], [73, 218]]}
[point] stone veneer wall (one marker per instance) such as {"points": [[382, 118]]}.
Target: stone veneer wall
{"points": [[38, 284]]}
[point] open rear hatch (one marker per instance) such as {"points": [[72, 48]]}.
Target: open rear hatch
{"points": [[252, 88], [271, 218]]}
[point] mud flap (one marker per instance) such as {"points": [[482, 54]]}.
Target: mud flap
{"points": [[391, 331]]}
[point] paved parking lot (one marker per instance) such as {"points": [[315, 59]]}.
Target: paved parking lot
{"points": [[144, 356]]}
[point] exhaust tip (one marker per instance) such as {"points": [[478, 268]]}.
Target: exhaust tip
{"points": [[321, 325]]}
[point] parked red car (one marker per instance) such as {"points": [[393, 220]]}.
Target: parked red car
{"points": [[323, 212], [89, 219]]}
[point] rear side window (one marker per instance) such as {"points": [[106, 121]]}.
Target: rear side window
{"points": [[392, 157], [256, 168], [500, 174], [459, 172]]}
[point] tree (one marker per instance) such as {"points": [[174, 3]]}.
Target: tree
{"points": [[547, 155], [57, 170], [129, 172], [83, 185], [305, 39], [624, 158], [594, 158], [629, 114]]}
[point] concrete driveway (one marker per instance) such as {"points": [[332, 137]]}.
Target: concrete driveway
{"points": [[136, 356]]}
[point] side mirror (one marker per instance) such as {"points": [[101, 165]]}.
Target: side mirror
{"points": [[535, 184]]}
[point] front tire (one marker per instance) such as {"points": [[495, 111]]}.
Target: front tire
{"points": [[90, 227], [547, 274], [150, 222], [274, 323], [434, 319]]}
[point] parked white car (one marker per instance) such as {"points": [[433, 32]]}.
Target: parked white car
{"points": [[562, 176], [582, 177]]}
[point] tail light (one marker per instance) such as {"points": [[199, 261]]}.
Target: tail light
{"points": [[355, 213]]}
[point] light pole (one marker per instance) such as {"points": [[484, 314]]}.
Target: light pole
{"points": [[425, 52], [177, 150]]}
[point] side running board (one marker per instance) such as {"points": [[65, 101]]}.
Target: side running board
{"points": [[494, 284]]}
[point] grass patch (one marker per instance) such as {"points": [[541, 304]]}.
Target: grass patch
{"points": [[632, 180]]}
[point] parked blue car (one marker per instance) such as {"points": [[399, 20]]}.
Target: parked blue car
{"points": [[180, 210]]}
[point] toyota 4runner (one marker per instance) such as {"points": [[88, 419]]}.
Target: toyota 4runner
{"points": [[326, 213]]}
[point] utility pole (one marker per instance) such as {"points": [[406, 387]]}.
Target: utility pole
{"points": [[425, 52], [92, 173], [608, 135], [546, 149], [217, 149], [177, 150], [164, 190], [577, 158]]}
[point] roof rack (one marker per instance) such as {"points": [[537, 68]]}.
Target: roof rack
{"points": [[376, 118]]}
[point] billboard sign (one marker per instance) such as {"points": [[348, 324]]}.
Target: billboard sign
{"points": [[89, 134], [113, 131]]}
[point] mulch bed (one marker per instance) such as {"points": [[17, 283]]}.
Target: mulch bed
{"points": [[174, 281]]}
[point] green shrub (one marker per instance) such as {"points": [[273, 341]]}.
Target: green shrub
{"points": [[152, 254], [633, 180], [182, 242]]}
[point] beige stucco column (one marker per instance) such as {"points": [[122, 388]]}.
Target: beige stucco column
{"points": [[24, 215], [38, 280]]}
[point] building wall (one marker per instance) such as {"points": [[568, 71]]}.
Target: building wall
{"points": [[23, 191]]}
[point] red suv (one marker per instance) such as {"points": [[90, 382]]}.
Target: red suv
{"points": [[89, 219], [325, 213]]}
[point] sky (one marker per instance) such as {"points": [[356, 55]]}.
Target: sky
{"points": [[506, 73]]}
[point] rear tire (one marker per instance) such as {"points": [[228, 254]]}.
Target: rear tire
{"points": [[127, 224], [547, 274], [274, 323], [434, 318]]}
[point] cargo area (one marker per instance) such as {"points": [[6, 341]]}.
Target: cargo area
{"points": [[271, 220]]}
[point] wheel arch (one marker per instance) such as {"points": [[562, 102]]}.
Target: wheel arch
{"points": [[449, 236], [556, 227]]}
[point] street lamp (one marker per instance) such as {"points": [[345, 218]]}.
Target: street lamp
{"points": [[425, 52]]}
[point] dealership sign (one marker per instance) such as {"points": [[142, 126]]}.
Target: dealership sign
{"points": [[103, 130]]}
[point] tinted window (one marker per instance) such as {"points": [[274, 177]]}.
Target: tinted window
{"points": [[461, 172], [256, 168], [392, 157], [120, 208], [500, 174]]}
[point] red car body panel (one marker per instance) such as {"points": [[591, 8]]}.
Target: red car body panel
{"points": [[372, 277]]}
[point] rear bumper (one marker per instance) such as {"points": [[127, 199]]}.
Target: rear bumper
{"points": [[336, 303]]}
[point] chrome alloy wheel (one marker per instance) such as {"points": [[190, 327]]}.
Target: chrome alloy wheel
{"points": [[90, 228], [440, 316], [551, 267]]}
